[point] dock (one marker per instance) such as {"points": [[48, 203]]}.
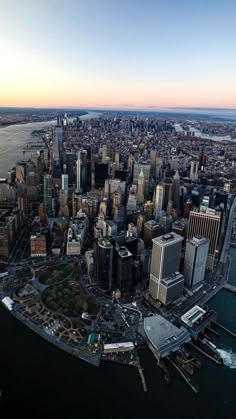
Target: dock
{"points": [[224, 328], [140, 370], [230, 287], [184, 375], [205, 354]]}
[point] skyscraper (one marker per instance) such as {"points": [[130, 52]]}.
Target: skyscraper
{"points": [[140, 192], [103, 263], [124, 269], [206, 224], [64, 182], [158, 202], [146, 172], [78, 173], [195, 260], [167, 192], [176, 184], [165, 261], [48, 188], [194, 171]]}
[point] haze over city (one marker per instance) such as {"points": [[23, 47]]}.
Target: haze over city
{"points": [[110, 54]]}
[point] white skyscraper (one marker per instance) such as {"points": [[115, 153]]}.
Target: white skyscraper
{"points": [[158, 202], [78, 172], [195, 260], [166, 252], [64, 182]]}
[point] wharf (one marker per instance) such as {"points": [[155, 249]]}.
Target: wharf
{"points": [[230, 287]]}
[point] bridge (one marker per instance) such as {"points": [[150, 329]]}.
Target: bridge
{"points": [[230, 287]]}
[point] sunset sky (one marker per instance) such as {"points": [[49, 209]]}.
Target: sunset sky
{"points": [[124, 54]]}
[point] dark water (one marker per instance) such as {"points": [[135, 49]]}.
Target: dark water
{"points": [[43, 381]]}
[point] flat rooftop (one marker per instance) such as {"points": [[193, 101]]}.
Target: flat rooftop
{"points": [[164, 335]]}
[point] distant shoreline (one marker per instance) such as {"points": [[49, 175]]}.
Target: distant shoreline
{"points": [[8, 124]]}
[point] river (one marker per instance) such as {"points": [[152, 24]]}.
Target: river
{"points": [[14, 137], [39, 380]]}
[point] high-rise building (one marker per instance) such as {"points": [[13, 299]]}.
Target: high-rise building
{"points": [[117, 161], [206, 224], [146, 172], [64, 210], [195, 260], [140, 192], [171, 288], [48, 188], [152, 229], [194, 171], [64, 182], [176, 185], [104, 153], [167, 192], [78, 173], [124, 269], [103, 263], [158, 202], [165, 261], [57, 153]]}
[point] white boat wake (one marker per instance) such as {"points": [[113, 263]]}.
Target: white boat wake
{"points": [[228, 356]]}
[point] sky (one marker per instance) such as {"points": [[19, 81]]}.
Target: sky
{"points": [[139, 54]]}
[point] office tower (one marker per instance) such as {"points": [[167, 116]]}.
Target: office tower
{"points": [[20, 172], [169, 208], [158, 202], [104, 153], [194, 171], [165, 261], [131, 204], [195, 260], [153, 155], [101, 174], [78, 173], [171, 288], [83, 170], [179, 227], [151, 230], [42, 215], [187, 208], [64, 210], [124, 269], [64, 183], [159, 168], [206, 224], [117, 161], [174, 164], [146, 172], [70, 157], [57, 153], [148, 210], [22, 203], [48, 188], [176, 185], [140, 192], [103, 263], [167, 192]]}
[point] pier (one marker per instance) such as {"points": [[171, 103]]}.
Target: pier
{"points": [[224, 328], [140, 370], [206, 354], [230, 287], [184, 375]]}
